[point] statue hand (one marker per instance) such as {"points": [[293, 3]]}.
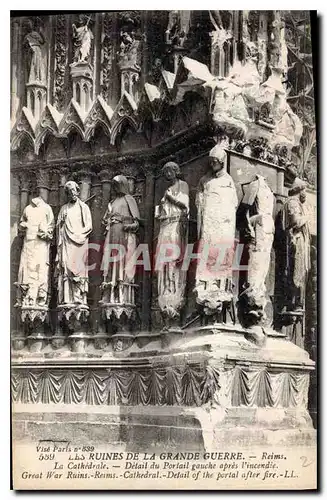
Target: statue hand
{"points": [[130, 227]]}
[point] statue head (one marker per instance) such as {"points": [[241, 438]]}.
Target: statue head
{"points": [[120, 185], [217, 157], [72, 190], [298, 189], [171, 171]]}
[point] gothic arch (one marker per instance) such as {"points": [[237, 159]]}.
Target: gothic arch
{"points": [[98, 124], [21, 137]]}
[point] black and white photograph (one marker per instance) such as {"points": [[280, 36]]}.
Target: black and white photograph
{"points": [[163, 249]]}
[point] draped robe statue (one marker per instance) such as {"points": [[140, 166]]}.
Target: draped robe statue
{"points": [[37, 223], [121, 221], [173, 216], [297, 245], [74, 225], [216, 203], [256, 224], [37, 71]]}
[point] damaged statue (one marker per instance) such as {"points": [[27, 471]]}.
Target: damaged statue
{"points": [[173, 216], [121, 221], [256, 225], [36, 224], [216, 203]]}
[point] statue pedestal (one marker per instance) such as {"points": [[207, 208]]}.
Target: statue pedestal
{"points": [[203, 391]]}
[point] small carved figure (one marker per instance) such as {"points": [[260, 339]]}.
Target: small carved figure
{"points": [[37, 224], [216, 203], [298, 245], [173, 216], [256, 225], [121, 221], [74, 225], [36, 42], [83, 37], [175, 34]]}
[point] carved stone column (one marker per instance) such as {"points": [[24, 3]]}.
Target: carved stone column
{"points": [[63, 179], [24, 184], [105, 179], [84, 177], [148, 240], [15, 69], [100, 336]]}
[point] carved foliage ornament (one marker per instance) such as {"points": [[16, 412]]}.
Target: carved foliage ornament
{"points": [[60, 61]]}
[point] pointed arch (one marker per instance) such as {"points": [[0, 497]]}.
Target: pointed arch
{"points": [[99, 123], [19, 137], [120, 124], [70, 128]]}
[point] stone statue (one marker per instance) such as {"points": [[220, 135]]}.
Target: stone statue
{"points": [[128, 53], [216, 204], [83, 37], [121, 221], [74, 225], [256, 225], [296, 227], [36, 42], [37, 224], [173, 216]]}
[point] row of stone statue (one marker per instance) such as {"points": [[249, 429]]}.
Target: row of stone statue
{"points": [[218, 215]]}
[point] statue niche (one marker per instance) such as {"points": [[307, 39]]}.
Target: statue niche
{"points": [[172, 214]]}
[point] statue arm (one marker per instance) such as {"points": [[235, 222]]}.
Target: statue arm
{"points": [[47, 232], [134, 211]]}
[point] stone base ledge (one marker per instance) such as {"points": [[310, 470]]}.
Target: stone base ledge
{"points": [[154, 428]]}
